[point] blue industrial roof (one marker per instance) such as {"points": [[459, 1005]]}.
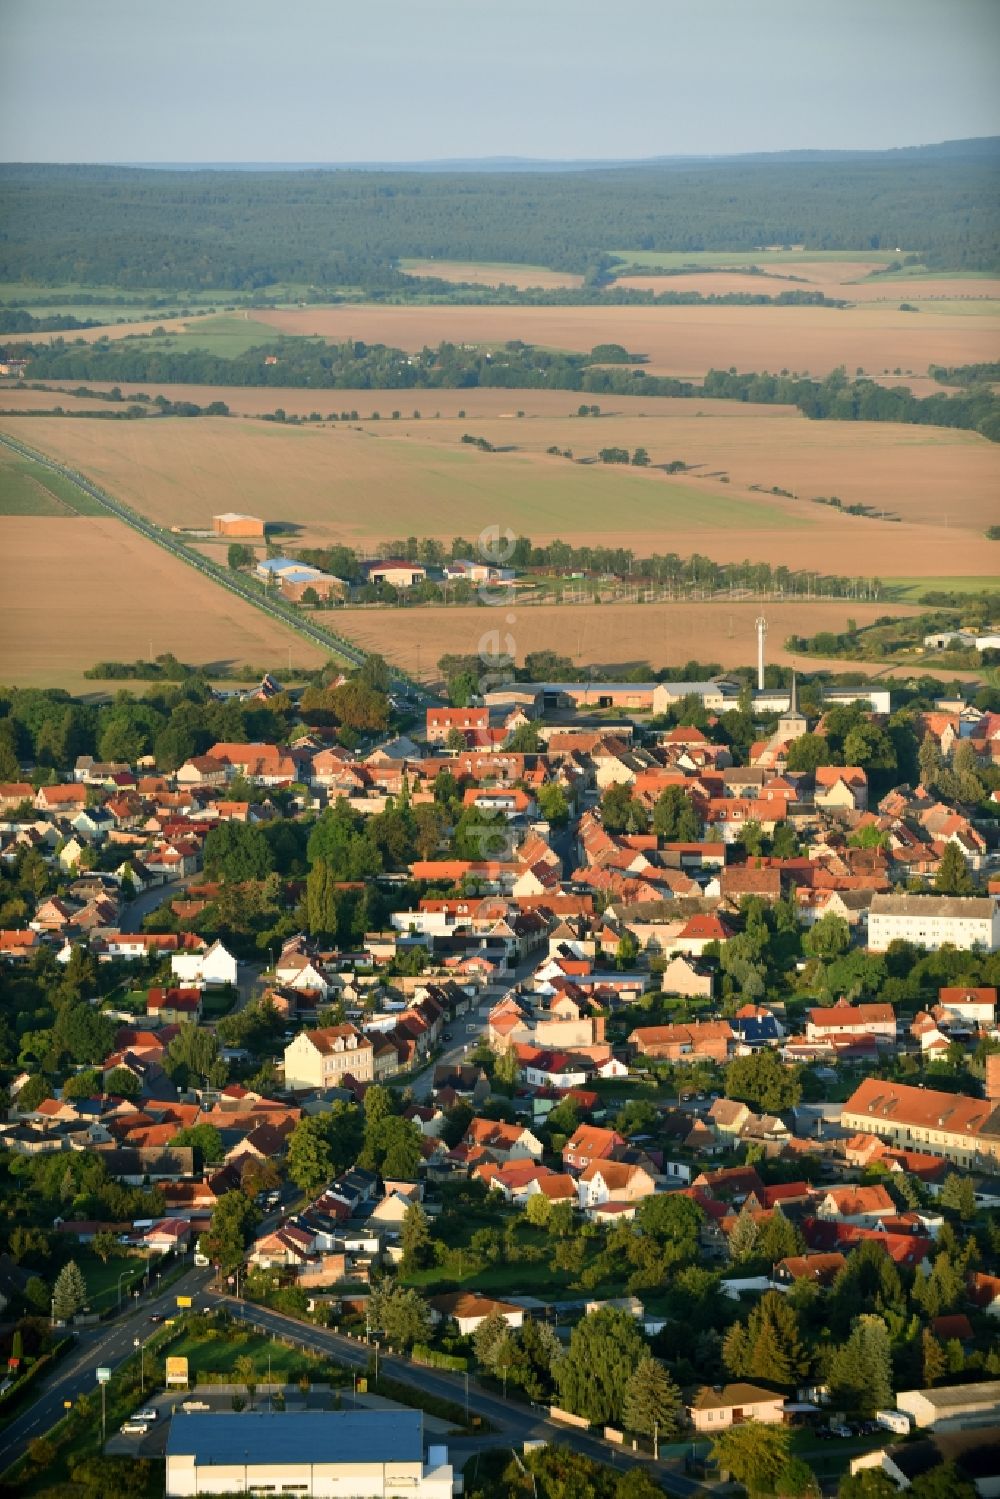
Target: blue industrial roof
{"points": [[290, 1437]]}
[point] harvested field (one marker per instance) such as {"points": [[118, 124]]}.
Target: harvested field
{"points": [[681, 341], [613, 636], [81, 590], [843, 281], [44, 400], [477, 402], [482, 273], [365, 486]]}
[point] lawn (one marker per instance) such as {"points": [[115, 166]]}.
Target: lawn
{"points": [[216, 1003], [29, 488], [213, 1356], [102, 1279]]}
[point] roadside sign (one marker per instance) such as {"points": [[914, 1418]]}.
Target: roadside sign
{"points": [[176, 1371], [103, 1375], [67, 1405], [183, 1302]]}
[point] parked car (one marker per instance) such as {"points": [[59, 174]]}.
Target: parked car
{"points": [[150, 1415], [135, 1429]]}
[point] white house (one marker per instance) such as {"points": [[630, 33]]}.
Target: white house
{"points": [[214, 967]]}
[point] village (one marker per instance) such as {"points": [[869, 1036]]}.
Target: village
{"points": [[503, 1056]]}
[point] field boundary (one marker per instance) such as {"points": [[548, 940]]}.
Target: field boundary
{"points": [[351, 654]]}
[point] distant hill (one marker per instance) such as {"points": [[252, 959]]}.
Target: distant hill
{"points": [[239, 228]]}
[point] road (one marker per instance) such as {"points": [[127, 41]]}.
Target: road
{"points": [[109, 1344], [467, 1030], [514, 1422], [150, 900]]}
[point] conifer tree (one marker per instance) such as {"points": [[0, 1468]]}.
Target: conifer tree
{"points": [[652, 1402], [70, 1292]]}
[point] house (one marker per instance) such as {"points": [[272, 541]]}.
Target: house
{"points": [[845, 1019], [714, 1409], [953, 1126], [502, 1142], [931, 921], [468, 1311], [701, 1040], [216, 966], [821, 1269], [323, 1058], [976, 1006], [443, 721], [613, 1181], [173, 1006], [590, 1143], [395, 573], [369, 1452], [687, 976], [852, 1204], [841, 788]]}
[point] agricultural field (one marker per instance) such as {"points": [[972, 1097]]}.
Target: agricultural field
{"points": [[28, 488], [362, 485], [81, 590], [680, 341], [476, 402], [485, 273], [684, 341], [616, 637]]}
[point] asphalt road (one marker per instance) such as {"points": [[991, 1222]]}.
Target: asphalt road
{"points": [[467, 1030], [109, 1344], [514, 1422]]}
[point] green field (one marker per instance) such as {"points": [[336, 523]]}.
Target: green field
{"points": [[674, 260], [226, 334], [28, 488], [909, 590]]}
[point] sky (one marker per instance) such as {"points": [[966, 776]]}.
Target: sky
{"points": [[420, 80]]}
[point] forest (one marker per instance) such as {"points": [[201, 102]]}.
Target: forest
{"points": [[143, 228]]}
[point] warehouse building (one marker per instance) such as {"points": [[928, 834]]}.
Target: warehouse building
{"points": [[231, 523], [316, 1454]]}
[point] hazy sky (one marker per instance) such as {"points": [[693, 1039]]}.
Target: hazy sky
{"points": [[405, 80]]}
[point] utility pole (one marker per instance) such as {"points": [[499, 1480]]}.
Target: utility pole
{"points": [[656, 1441]]}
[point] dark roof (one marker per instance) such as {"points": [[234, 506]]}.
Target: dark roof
{"points": [[298, 1437]]}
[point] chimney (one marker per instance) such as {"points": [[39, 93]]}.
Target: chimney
{"points": [[993, 1077]]}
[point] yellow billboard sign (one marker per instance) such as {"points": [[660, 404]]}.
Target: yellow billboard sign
{"points": [[177, 1371], [183, 1303]]}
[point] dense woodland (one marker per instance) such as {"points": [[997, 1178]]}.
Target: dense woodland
{"points": [[134, 228]]}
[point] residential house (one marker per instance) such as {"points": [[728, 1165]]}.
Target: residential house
{"points": [[714, 1409], [323, 1058]]}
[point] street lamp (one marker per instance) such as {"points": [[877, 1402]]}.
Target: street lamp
{"points": [[120, 1279], [140, 1345]]}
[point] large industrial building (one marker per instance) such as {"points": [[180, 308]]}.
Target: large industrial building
{"points": [[316, 1454], [231, 523]]}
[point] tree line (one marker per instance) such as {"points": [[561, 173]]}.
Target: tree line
{"points": [[358, 366]]}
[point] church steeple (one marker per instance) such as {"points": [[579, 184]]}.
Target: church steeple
{"points": [[793, 701]]}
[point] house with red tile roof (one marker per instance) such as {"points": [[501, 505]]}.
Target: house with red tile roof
{"points": [[588, 1143]]}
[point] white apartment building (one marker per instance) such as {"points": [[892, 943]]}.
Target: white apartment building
{"points": [[931, 921]]}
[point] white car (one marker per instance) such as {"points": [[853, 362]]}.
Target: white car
{"points": [[135, 1429], [150, 1415]]}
